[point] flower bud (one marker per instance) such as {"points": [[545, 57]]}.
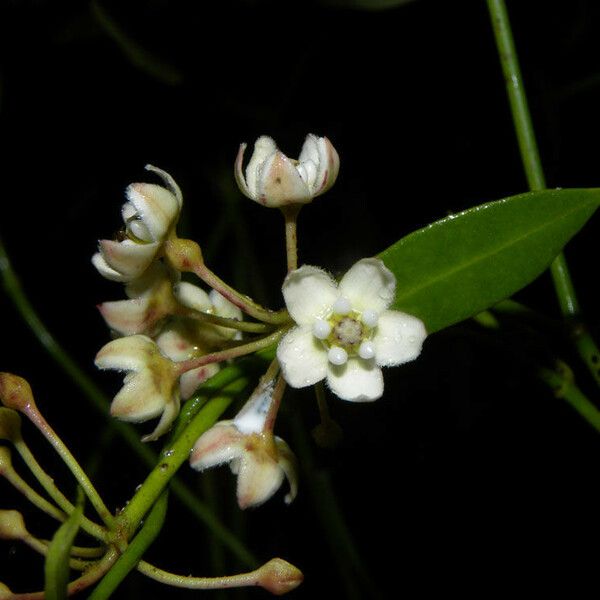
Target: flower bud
{"points": [[274, 180], [10, 425], [12, 525], [15, 392], [279, 577], [5, 592]]}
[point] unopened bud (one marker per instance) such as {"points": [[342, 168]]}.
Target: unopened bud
{"points": [[5, 592], [15, 392], [12, 525], [183, 254], [279, 576], [10, 425]]}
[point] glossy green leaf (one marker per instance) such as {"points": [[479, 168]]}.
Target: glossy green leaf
{"points": [[56, 567], [465, 263]]}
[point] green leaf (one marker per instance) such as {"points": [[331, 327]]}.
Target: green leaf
{"points": [[56, 567], [465, 263]]}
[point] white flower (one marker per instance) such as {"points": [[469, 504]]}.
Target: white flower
{"points": [[150, 215], [258, 458], [345, 332], [273, 179], [150, 386]]}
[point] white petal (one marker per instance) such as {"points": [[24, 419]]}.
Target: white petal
{"points": [[279, 182], [174, 345], [357, 381], [223, 307], [239, 174], [192, 296], [127, 317], [220, 444], [287, 461], [369, 285], [309, 294], [138, 400], [302, 358], [257, 480], [263, 148], [328, 166], [169, 181], [157, 207], [398, 338], [166, 420], [190, 380], [105, 270], [125, 354], [310, 150], [127, 257]]}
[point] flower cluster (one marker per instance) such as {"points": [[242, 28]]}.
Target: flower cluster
{"points": [[173, 334]]}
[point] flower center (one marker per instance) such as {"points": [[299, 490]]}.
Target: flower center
{"points": [[346, 333]]}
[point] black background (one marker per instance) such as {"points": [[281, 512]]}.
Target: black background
{"points": [[468, 476]]}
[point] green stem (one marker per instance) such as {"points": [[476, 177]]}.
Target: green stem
{"points": [[100, 402], [67, 457], [135, 550], [532, 164], [290, 214], [235, 352], [48, 484], [176, 455], [561, 382], [229, 323]]}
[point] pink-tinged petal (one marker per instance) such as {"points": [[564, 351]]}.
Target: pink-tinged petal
{"points": [[328, 166], [105, 270], [288, 463], [302, 357], [356, 381], [169, 181], [263, 148], [258, 479], [127, 317], [125, 354], [369, 285], [309, 293], [127, 257], [279, 182], [398, 338], [220, 444], [166, 420], [138, 400], [157, 207], [174, 345], [189, 381]]}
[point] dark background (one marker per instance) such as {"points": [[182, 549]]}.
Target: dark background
{"points": [[468, 476]]}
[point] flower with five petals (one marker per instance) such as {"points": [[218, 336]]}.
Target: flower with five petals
{"points": [[258, 458], [274, 180], [345, 333], [150, 387], [150, 215]]}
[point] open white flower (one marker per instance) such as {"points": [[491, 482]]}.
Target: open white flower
{"points": [[150, 214], [345, 332], [258, 458], [273, 179], [150, 387]]}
